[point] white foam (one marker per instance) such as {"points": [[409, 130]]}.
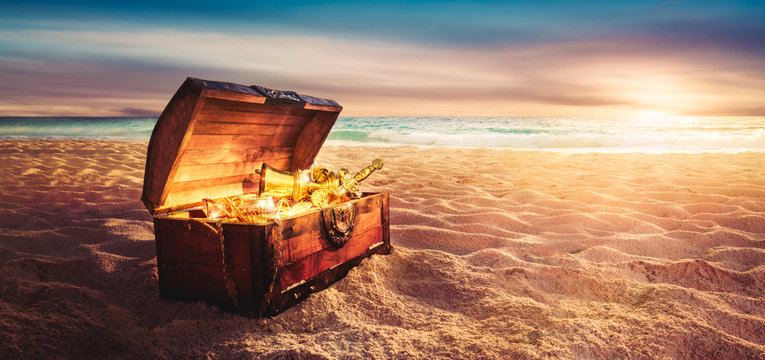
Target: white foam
{"points": [[669, 142]]}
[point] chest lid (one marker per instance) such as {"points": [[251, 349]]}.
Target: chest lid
{"points": [[213, 135]]}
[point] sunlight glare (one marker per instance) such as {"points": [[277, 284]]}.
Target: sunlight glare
{"points": [[653, 118]]}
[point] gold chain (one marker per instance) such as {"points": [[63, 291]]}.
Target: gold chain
{"points": [[274, 240], [230, 285]]}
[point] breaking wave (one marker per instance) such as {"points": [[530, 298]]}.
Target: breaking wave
{"points": [[733, 134], [556, 134]]}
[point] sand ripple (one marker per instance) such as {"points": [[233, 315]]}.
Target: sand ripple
{"points": [[497, 254]]}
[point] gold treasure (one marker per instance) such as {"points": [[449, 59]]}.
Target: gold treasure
{"points": [[297, 191], [321, 185]]}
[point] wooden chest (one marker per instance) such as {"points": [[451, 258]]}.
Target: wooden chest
{"points": [[207, 143]]}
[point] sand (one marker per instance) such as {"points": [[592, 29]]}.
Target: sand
{"points": [[497, 254]]}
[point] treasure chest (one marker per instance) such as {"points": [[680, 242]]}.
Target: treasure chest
{"points": [[209, 143]]}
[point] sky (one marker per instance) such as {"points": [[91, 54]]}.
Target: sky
{"points": [[609, 59]]}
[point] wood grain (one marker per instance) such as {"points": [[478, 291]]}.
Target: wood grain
{"points": [[166, 140], [244, 108], [234, 96], [232, 155], [181, 147], [314, 264], [311, 139], [241, 141], [385, 211], [194, 191], [179, 280], [299, 292], [234, 128], [228, 116], [189, 267], [192, 242], [311, 240], [222, 181], [323, 107], [215, 171]]}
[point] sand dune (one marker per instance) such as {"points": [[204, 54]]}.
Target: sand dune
{"points": [[497, 254]]}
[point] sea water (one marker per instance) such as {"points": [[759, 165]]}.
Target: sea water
{"points": [[653, 135], [78, 128]]}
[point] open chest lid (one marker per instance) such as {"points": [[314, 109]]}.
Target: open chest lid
{"points": [[213, 135]]}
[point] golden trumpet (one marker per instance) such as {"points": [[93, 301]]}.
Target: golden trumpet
{"points": [[280, 184], [328, 187]]}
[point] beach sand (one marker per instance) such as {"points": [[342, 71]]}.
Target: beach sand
{"points": [[497, 254]]}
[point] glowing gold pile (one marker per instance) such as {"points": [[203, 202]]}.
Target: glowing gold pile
{"points": [[297, 192]]}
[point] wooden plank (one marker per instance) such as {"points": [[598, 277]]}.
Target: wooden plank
{"points": [[211, 182], [316, 263], [255, 117], [163, 211], [248, 108], [241, 141], [385, 198], [312, 241], [323, 107], [261, 264], [166, 140], [190, 268], [214, 181], [215, 171], [191, 282], [234, 96], [242, 93], [311, 139], [193, 242], [181, 147], [194, 191], [158, 245], [231, 155], [233, 128], [296, 293], [304, 235]]}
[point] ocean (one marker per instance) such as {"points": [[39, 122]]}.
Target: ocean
{"points": [[652, 135]]}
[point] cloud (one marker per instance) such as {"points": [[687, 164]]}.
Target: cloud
{"points": [[137, 112], [107, 72]]}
